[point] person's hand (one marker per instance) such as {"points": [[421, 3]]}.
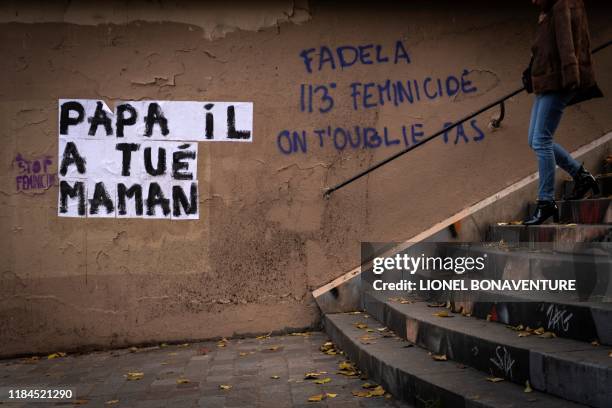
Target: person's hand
{"points": [[527, 83]]}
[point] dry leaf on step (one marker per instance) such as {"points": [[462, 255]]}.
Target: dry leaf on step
{"points": [[134, 376], [316, 398]]}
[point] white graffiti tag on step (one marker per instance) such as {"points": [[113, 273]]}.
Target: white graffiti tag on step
{"points": [[503, 361], [558, 318]]}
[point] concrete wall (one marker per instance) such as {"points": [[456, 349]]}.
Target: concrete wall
{"points": [[265, 237]]}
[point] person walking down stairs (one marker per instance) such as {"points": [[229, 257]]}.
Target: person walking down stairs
{"points": [[560, 74]]}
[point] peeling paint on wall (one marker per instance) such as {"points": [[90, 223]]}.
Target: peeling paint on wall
{"points": [[215, 18]]}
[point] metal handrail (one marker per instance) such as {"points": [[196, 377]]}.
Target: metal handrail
{"points": [[495, 123]]}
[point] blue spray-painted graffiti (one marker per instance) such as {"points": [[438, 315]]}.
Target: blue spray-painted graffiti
{"points": [[359, 137], [367, 95], [348, 55], [323, 98]]}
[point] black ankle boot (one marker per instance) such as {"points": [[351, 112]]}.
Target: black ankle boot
{"points": [[543, 211], [583, 183]]}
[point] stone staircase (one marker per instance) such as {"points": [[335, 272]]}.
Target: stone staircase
{"points": [[553, 352]]}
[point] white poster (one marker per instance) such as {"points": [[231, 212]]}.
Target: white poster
{"points": [[156, 120], [140, 160]]}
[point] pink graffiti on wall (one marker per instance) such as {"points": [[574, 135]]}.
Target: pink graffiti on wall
{"points": [[34, 174]]}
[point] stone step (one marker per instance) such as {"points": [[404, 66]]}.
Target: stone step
{"points": [[410, 372], [590, 265], [569, 369], [593, 211], [604, 181], [551, 233], [583, 321]]}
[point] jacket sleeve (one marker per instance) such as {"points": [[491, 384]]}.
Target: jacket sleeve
{"points": [[565, 44]]}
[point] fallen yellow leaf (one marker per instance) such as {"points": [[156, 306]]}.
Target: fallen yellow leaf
{"points": [[331, 395], [368, 385], [112, 402], [275, 377], [346, 365], [442, 313], [439, 357], [316, 398], [304, 334], [183, 345], [323, 380], [225, 387], [56, 355], [524, 334], [528, 387], [311, 376], [244, 353], [265, 336], [31, 360], [401, 300], [362, 394], [134, 376], [539, 330], [366, 338], [182, 381], [547, 335], [377, 392], [360, 325], [494, 379]]}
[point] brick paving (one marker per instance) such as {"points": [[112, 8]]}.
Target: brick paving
{"points": [[191, 375]]}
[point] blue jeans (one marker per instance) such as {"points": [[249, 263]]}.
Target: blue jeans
{"points": [[545, 117]]}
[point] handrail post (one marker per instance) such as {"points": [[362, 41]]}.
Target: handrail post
{"points": [[496, 122]]}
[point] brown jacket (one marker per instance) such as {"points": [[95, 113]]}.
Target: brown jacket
{"points": [[562, 49]]}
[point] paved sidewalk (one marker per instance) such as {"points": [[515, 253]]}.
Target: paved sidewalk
{"points": [[266, 372]]}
